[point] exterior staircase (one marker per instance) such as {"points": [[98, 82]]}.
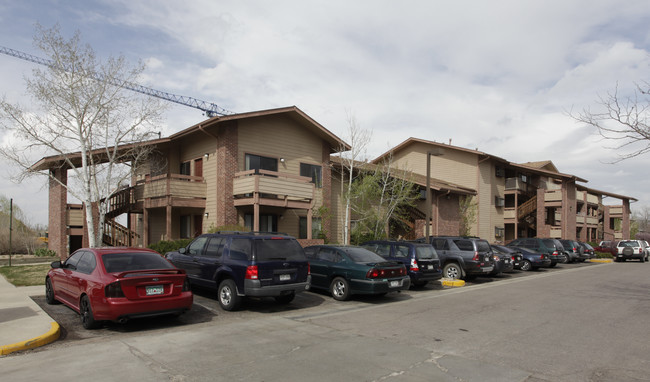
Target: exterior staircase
{"points": [[115, 234]]}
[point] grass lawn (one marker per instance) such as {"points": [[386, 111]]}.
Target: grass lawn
{"points": [[26, 275]]}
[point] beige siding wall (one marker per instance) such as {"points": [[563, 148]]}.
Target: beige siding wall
{"points": [[280, 137], [453, 166], [490, 186], [156, 225]]}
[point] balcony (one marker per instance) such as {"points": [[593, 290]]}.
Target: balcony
{"points": [[592, 199], [272, 189], [553, 198], [173, 189], [615, 211], [556, 232], [516, 184], [510, 213]]}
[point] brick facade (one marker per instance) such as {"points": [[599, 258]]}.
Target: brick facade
{"points": [[226, 169], [58, 200]]}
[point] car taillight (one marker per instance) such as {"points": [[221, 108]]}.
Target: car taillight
{"points": [[308, 269], [542, 256], [374, 273], [114, 290], [414, 265], [251, 272], [555, 253], [476, 258], [186, 285], [513, 258]]}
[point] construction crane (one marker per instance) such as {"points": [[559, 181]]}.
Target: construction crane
{"points": [[210, 109]]}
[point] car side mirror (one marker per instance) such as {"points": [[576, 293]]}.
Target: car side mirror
{"points": [[56, 264], [182, 250]]}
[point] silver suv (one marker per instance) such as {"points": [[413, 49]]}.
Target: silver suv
{"points": [[631, 249]]}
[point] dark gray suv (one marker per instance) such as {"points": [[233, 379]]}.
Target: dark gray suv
{"points": [[238, 264], [462, 257]]}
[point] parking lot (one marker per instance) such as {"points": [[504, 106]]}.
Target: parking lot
{"points": [[206, 308]]}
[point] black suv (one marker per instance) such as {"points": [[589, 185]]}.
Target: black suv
{"points": [[238, 264], [463, 257], [420, 259], [552, 247]]}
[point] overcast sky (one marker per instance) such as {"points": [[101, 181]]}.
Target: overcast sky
{"points": [[498, 76]]}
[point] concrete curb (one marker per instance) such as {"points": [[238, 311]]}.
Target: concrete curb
{"points": [[51, 336], [452, 283], [601, 260]]}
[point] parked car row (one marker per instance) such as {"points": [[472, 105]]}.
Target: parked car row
{"points": [[117, 284]]}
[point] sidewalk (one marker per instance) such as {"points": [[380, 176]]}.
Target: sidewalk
{"points": [[23, 324]]}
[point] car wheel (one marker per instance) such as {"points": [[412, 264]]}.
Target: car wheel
{"points": [[87, 319], [553, 264], [227, 295], [526, 265], [566, 259], [49, 292], [452, 271], [340, 289], [642, 259], [286, 298]]}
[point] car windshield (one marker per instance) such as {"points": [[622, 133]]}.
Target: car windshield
{"points": [[121, 262], [425, 252], [278, 249], [361, 255]]}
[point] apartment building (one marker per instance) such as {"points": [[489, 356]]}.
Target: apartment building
{"points": [[265, 170], [515, 200]]}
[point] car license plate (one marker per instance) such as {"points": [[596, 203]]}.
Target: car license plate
{"points": [[395, 283], [430, 267], [285, 277], [154, 290]]}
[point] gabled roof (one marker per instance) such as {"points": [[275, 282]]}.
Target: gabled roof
{"points": [[542, 165], [336, 144], [293, 112], [420, 180], [410, 141]]}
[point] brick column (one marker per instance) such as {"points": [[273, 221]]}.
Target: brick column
{"points": [[56, 220], [625, 220], [227, 147]]}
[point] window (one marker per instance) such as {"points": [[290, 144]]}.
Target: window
{"points": [[186, 227], [240, 249], [215, 247], [87, 263], [257, 162], [185, 168], [71, 262], [440, 244], [196, 247], [499, 231], [268, 223], [499, 202], [401, 250], [314, 172], [316, 227], [464, 245]]}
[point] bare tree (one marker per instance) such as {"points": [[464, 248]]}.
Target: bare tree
{"points": [[623, 120], [358, 139], [380, 198], [85, 119]]}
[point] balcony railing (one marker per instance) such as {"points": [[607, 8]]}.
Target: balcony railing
{"points": [[173, 185], [615, 211], [553, 196], [271, 184], [516, 184]]}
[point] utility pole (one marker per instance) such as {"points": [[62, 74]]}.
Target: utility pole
{"points": [[11, 225]]}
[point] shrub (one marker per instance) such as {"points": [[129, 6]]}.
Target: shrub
{"points": [[165, 246], [44, 252]]}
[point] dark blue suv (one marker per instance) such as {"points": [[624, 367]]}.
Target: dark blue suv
{"points": [[238, 264], [420, 259]]}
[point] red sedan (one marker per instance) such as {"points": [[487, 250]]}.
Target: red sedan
{"points": [[117, 284]]}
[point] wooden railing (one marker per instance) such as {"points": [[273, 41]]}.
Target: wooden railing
{"points": [[183, 186], [117, 235], [120, 202], [273, 183], [528, 207]]}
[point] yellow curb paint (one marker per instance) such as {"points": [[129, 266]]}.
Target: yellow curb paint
{"points": [[51, 336], [453, 283], [601, 260]]}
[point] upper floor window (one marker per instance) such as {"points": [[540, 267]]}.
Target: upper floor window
{"points": [[314, 172], [185, 168], [257, 162]]}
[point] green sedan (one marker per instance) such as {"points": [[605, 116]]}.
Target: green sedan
{"points": [[347, 270]]}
